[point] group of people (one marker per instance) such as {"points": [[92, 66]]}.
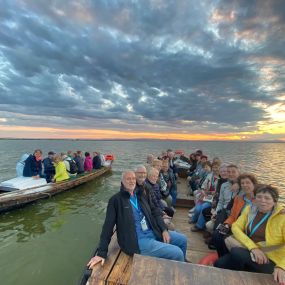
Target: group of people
{"points": [[57, 167], [142, 211], [240, 217]]}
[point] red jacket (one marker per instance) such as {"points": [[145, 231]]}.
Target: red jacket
{"points": [[88, 165]]}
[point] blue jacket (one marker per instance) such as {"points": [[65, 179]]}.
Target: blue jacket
{"points": [[48, 166], [32, 167]]}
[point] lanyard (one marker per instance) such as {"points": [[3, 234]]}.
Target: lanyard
{"points": [[247, 201], [134, 201], [252, 231]]}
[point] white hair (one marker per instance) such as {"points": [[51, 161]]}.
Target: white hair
{"points": [[125, 172], [140, 166]]}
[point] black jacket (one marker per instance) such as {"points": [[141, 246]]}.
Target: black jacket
{"points": [[96, 162], [120, 213], [32, 167]]}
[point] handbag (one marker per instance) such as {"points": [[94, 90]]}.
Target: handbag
{"points": [[232, 242]]}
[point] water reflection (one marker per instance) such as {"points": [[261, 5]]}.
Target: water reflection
{"points": [[50, 214]]}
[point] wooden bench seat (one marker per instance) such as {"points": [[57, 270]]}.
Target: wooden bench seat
{"points": [[156, 271], [117, 267]]}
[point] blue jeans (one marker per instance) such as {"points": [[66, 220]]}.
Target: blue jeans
{"points": [[198, 216], [175, 250], [173, 194]]}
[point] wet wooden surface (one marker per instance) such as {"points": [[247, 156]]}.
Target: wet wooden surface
{"points": [[155, 271]]}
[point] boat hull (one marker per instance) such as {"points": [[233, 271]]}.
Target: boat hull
{"points": [[20, 198]]}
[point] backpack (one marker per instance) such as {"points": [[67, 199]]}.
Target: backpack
{"points": [[72, 166]]}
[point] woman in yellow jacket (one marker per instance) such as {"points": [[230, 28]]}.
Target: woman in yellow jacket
{"points": [[60, 169], [261, 231]]}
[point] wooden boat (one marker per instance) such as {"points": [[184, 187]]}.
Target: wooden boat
{"points": [[120, 268], [21, 197]]}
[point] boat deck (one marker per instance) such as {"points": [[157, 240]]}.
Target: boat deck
{"points": [[120, 268]]}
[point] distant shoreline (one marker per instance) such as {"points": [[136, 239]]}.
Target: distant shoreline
{"points": [[142, 139]]}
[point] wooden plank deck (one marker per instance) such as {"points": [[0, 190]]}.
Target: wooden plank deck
{"points": [[149, 270]]}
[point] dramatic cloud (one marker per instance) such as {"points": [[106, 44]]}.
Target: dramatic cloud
{"points": [[157, 66]]}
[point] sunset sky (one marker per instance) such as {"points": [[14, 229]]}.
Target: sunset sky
{"points": [[197, 70]]}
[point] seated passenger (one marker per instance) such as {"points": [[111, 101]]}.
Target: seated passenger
{"points": [[169, 178], [260, 231], [60, 169], [70, 165], [247, 183], [157, 164], [140, 228], [96, 162], [153, 190], [49, 169], [229, 190], [33, 165], [208, 189], [79, 162], [88, 166]]}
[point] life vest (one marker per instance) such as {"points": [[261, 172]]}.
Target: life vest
{"points": [[109, 157]]}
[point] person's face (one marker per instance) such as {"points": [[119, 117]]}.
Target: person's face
{"points": [[198, 158], [207, 168], [264, 202], [165, 167], [153, 177], [129, 181], [224, 173], [232, 173], [247, 186], [204, 159], [215, 169], [38, 154], [140, 175], [171, 154], [157, 165]]}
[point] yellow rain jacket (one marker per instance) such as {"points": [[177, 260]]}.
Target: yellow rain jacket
{"points": [[60, 172], [274, 233]]}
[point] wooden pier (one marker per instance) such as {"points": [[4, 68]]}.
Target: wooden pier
{"points": [[120, 268]]}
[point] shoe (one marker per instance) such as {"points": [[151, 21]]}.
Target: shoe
{"points": [[190, 221], [211, 246], [188, 261], [192, 210], [208, 240], [195, 229], [206, 235], [190, 215]]}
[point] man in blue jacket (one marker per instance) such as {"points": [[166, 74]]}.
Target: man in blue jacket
{"points": [[140, 227]]}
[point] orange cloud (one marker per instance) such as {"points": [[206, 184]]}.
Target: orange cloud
{"points": [[37, 132]]}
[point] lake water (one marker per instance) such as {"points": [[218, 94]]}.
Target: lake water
{"points": [[49, 242]]}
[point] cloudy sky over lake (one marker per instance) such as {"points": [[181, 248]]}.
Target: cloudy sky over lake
{"points": [[142, 69]]}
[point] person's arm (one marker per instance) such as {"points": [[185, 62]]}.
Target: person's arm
{"points": [[232, 217], [157, 214], [108, 227], [221, 199], [238, 230], [205, 183]]}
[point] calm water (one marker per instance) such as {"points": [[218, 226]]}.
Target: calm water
{"points": [[49, 242]]}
